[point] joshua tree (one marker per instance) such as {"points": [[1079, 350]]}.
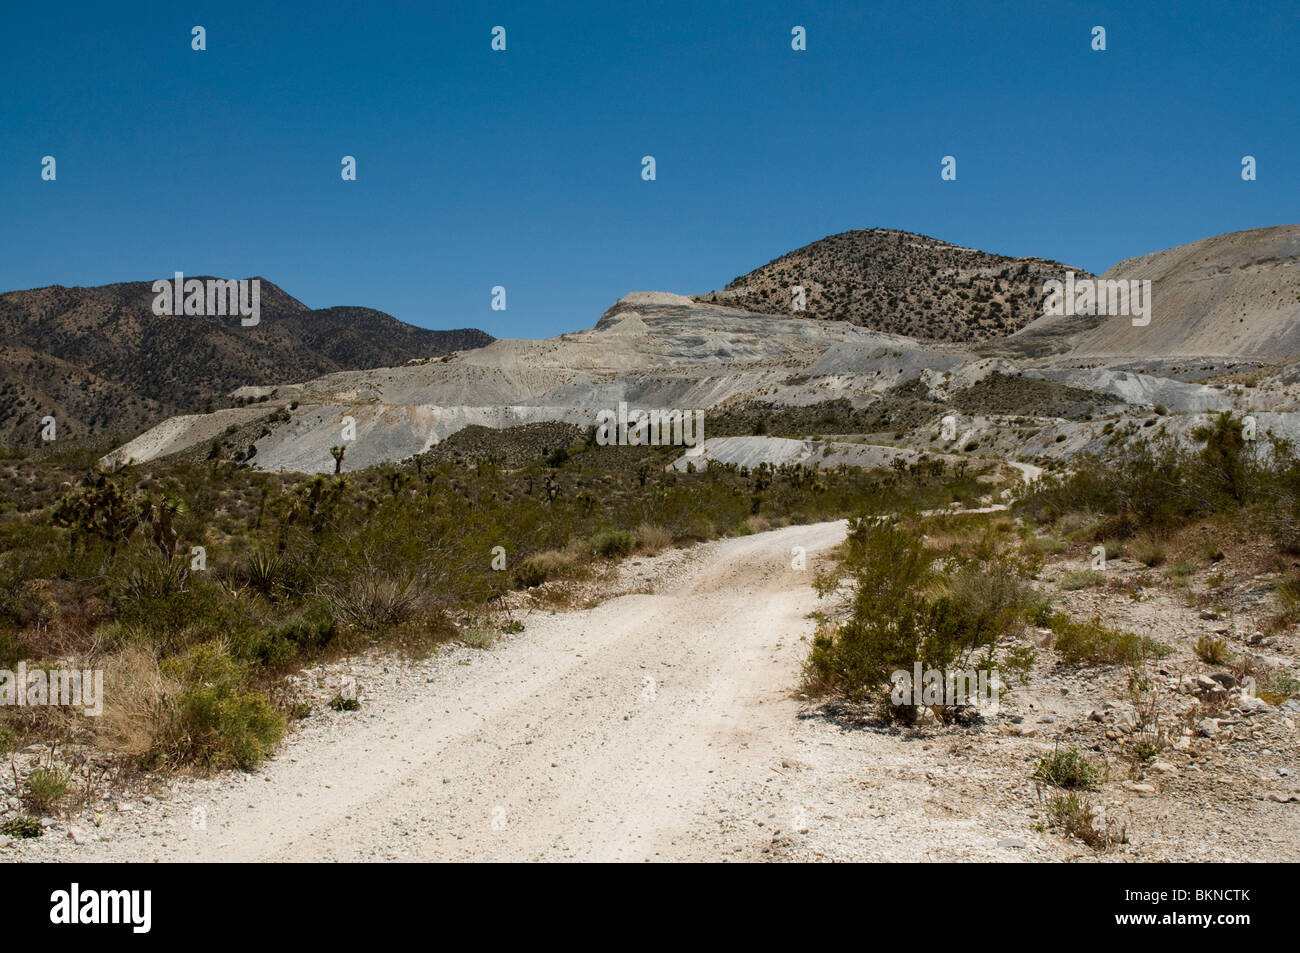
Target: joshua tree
{"points": [[337, 454], [158, 514], [99, 508]]}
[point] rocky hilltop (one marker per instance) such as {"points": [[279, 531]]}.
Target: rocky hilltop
{"points": [[901, 283], [101, 362]]}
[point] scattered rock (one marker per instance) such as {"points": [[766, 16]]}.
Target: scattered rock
{"points": [[1140, 789]]}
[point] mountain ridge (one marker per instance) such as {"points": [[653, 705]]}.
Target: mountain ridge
{"points": [[99, 361]]}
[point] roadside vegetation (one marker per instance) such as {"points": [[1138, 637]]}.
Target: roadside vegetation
{"points": [[1214, 523], [1149, 488], [198, 585], [944, 609]]}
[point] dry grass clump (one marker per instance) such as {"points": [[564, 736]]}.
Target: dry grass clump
{"points": [[139, 705], [192, 709], [572, 562], [651, 539]]}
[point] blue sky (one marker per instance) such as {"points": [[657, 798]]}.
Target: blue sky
{"points": [[522, 169]]}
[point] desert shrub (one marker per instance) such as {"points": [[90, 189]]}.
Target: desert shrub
{"points": [[1227, 469], [1155, 483], [531, 573], [1149, 551], [1038, 611], [46, 787], [1082, 579], [153, 578], [22, 827], [478, 638], [374, 599], [172, 621], [906, 611], [993, 596], [1045, 545], [139, 719], [341, 702], [1091, 642], [551, 564], [219, 724], [651, 539], [1079, 818], [271, 574], [613, 543], [1114, 547], [1066, 769], [1212, 651], [304, 633], [1288, 600]]}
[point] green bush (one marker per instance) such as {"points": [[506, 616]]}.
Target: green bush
{"points": [[219, 723], [1149, 551], [907, 611], [173, 621], [613, 543], [1154, 483], [1082, 579], [22, 827], [1066, 769], [303, 634], [46, 787], [271, 574], [1093, 643], [531, 573]]}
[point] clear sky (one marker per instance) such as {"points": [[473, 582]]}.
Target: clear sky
{"points": [[522, 168]]}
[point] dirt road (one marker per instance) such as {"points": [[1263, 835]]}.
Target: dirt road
{"points": [[656, 726], [600, 735], [614, 733]]}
